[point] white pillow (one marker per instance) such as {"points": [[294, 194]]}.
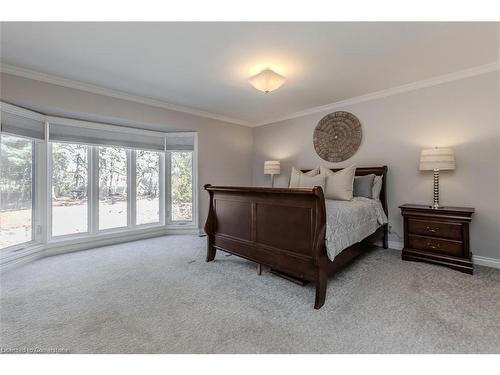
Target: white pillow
{"points": [[377, 187], [312, 181], [297, 174], [339, 185]]}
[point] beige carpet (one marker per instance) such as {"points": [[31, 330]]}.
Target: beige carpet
{"points": [[159, 296]]}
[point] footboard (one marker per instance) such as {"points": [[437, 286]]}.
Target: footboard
{"points": [[281, 228]]}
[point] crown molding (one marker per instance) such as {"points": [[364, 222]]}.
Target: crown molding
{"points": [[64, 82], [31, 74], [482, 69]]}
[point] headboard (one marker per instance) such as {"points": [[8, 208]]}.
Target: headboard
{"points": [[378, 171]]}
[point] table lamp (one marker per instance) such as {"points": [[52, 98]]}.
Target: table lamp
{"points": [[272, 167], [437, 159]]}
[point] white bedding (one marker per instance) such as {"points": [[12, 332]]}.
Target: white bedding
{"points": [[349, 222]]}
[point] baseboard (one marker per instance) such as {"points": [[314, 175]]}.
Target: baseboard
{"points": [[11, 262], [40, 251], [15, 254], [395, 245], [476, 259], [183, 231], [485, 261], [63, 248]]}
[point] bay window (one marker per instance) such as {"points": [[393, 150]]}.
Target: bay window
{"points": [[92, 179]]}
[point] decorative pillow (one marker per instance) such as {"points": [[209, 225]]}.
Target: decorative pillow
{"points": [[297, 174], [363, 186], [377, 187], [339, 184], [312, 181]]}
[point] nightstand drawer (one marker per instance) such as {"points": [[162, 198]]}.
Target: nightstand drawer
{"points": [[438, 236], [452, 231], [436, 245]]}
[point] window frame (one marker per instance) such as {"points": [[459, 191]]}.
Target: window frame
{"points": [[130, 224], [193, 224], [50, 236], [34, 201], [93, 198], [161, 178]]}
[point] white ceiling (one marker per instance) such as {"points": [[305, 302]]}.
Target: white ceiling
{"points": [[204, 66]]}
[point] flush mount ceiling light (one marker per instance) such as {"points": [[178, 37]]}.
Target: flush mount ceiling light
{"points": [[267, 81]]}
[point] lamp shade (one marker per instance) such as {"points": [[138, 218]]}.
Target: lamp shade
{"points": [[272, 167], [267, 81], [437, 159]]}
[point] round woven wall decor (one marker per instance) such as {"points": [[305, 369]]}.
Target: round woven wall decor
{"points": [[337, 136]]}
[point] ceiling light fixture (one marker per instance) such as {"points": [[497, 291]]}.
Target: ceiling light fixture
{"points": [[267, 81]]}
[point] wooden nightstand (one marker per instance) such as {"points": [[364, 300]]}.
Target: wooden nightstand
{"points": [[439, 236]]}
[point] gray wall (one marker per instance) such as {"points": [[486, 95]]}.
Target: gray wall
{"points": [[462, 114], [225, 150]]}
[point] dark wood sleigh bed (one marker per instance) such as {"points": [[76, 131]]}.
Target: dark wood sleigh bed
{"points": [[283, 228]]}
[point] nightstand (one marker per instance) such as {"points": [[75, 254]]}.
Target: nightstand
{"points": [[439, 236]]}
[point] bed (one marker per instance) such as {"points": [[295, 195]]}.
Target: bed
{"points": [[295, 230]]}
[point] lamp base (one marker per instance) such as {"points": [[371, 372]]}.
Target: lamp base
{"points": [[436, 206]]}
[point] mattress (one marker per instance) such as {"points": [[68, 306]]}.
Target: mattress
{"points": [[349, 222]]}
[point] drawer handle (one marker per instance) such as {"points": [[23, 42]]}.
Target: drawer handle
{"points": [[432, 230], [433, 245]]}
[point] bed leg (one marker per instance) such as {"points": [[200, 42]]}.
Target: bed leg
{"points": [[259, 269], [321, 283], [386, 236], [210, 251]]}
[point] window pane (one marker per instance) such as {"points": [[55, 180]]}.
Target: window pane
{"points": [[69, 188], [148, 187], [15, 190], [112, 187], [181, 180]]}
